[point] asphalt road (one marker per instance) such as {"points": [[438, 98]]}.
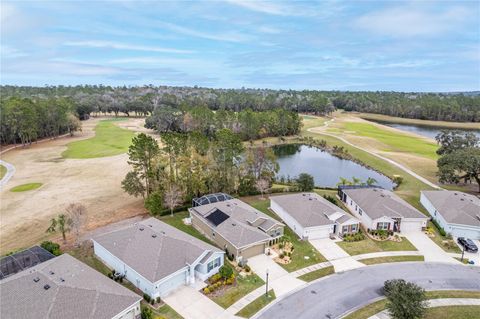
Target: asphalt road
{"points": [[338, 294]]}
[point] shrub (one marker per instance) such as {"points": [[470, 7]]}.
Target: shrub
{"points": [[225, 271], [230, 281], [281, 256], [280, 245], [291, 248], [52, 247], [146, 297], [440, 229], [206, 290], [158, 299], [247, 268], [397, 179], [154, 203], [152, 302], [331, 199], [147, 313], [214, 278]]}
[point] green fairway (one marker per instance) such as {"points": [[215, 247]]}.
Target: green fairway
{"points": [[109, 140], [396, 142], [3, 171], [26, 187]]}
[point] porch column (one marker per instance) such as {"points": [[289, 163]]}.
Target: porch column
{"points": [[192, 275]]}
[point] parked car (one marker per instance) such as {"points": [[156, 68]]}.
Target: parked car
{"points": [[468, 244]]}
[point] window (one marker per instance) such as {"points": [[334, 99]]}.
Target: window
{"points": [[354, 228], [213, 264], [383, 226], [351, 202], [213, 234], [345, 229], [360, 211], [356, 207]]}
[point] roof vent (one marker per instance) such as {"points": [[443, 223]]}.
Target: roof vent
{"points": [[304, 194], [36, 279], [61, 279], [228, 205], [462, 199], [233, 224], [310, 199], [163, 233], [46, 287], [154, 235], [52, 273], [478, 217], [150, 226], [141, 228]]}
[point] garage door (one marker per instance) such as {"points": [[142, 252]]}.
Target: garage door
{"points": [[253, 251], [468, 233], [318, 233], [410, 226], [172, 284]]}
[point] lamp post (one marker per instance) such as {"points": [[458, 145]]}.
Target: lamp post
{"points": [[463, 252], [266, 286]]}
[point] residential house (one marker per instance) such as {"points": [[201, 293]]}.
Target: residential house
{"points": [[456, 212], [311, 216], [64, 287], [157, 258], [378, 208], [236, 227]]}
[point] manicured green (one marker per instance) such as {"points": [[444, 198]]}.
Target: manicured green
{"points": [[319, 273], [380, 305], [25, 187], [395, 142], [391, 259], [177, 222], [450, 312], [166, 312], [3, 171], [302, 248], [109, 140], [255, 306], [244, 285], [369, 245], [439, 239]]}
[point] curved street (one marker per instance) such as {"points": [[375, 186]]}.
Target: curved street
{"points": [[10, 171], [343, 292]]}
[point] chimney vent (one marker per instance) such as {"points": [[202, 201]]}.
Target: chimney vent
{"points": [[36, 279], [154, 235], [46, 287]]}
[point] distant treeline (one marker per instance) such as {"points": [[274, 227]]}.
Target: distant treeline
{"points": [[247, 123], [92, 99], [23, 120]]}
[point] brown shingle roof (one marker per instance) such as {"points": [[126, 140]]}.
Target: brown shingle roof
{"points": [[76, 291]]}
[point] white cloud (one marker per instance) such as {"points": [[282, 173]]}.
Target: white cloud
{"points": [[262, 6], [408, 21], [123, 46], [225, 36]]}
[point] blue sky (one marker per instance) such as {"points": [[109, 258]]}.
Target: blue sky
{"points": [[325, 45]]}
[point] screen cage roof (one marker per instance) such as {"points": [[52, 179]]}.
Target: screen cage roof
{"points": [[210, 198], [22, 260]]}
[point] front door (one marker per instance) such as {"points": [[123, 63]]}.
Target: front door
{"points": [[335, 228]]}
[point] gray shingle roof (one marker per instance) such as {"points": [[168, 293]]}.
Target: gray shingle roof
{"points": [[378, 202], [456, 207], [83, 293], [311, 209], [153, 248], [238, 229]]}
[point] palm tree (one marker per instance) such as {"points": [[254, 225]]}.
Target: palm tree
{"points": [[344, 181], [356, 181], [61, 223], [371, 181]]}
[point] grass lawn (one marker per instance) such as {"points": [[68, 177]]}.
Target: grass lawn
{"points": [[369, 245], [255, 306], [438, 239], [165, 312], [401, 120], [109, 140], [302, 248], [3, 171], [243, 287], [463, 312], [176, 221], [391, 259], [319, 273], [396, 142], [376, 307], [25, 187]]}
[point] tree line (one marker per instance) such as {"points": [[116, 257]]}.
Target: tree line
{"points": [[143, 100], [24, 120], [189, 165], [249, 125]]}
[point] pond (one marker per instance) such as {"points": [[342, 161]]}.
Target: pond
{"points": [[325, 168], [428, 131]]}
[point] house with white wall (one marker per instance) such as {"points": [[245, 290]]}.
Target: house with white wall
{"points": [[157, 258], [64, 287], [311, 216], [381, 209], [456, 212]]}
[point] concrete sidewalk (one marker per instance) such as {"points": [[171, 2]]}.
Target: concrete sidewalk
{"points": [[338, 257], [437, 303], [387, 254]]}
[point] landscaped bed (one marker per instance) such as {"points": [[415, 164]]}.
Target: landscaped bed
{"points": [[380, 305], [319, 273], [369, 245], [304, 254], [445, 243], [255, 306], [391, 259]]}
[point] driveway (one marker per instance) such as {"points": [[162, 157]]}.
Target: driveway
{"points": [[340, 293], [338, 257], [427, 248], [471, 256], [191, 304]]}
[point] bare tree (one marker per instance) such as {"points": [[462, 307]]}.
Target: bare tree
{"points": [[173, 197], [262, 185], [76, 218]]}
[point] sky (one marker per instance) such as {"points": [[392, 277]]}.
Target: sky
{"points": [[324, 45]]}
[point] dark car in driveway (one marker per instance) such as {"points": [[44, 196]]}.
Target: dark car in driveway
{"points": [[468, 244]]}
